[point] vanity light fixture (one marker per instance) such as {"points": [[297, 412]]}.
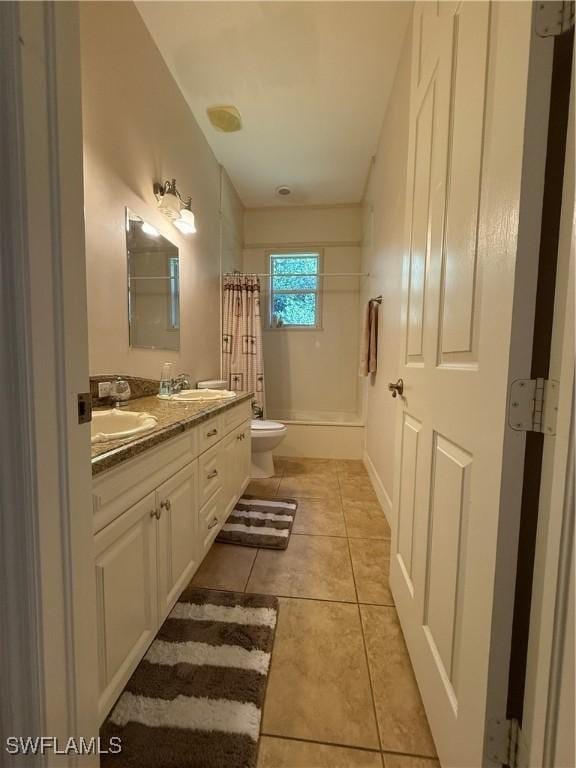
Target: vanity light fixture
{"points": [[185, 223], [149, 229], [175, 207]]}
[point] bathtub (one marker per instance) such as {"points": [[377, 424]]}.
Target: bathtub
{"points": [[321, 434]]}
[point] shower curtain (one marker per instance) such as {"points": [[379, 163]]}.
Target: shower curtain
{"points": [[242, 359]]}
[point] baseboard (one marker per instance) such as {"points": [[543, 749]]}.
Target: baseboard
{"points": [[381, 493]]}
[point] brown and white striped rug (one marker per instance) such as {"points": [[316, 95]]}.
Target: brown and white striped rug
{"points": [[195, 700], [265, 523]]}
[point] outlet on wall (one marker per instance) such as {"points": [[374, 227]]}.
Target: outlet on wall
{"points": [[103, 389]]}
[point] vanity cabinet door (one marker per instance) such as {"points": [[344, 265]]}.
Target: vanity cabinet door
{"points": [[244, 456], [236, 460], [230, 453], [176, 504], [126, 598]]}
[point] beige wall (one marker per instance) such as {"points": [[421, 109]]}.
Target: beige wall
{"points": [[138, 129], [317, 370], [384, 226]]}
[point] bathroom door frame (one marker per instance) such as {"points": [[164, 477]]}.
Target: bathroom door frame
{"points": [[47, 595], [547, 707]]}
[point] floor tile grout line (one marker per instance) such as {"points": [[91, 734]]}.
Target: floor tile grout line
{"points": [[296, 597], [337, 535], [251, 569], [418, 755], [373, 750], [372, 696]]}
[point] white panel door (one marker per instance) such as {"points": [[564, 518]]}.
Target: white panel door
{"points": [[461, 278], [178, 557]]}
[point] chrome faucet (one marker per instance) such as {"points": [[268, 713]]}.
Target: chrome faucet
{"points": [[119, 391], [181, 382]]}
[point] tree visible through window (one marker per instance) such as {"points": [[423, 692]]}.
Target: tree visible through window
{"points": [[294, 287]]}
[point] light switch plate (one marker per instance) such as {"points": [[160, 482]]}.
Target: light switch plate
{"points": [[104, 389]]}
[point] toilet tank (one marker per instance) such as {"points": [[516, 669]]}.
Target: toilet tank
{"points": [[212, 384]]}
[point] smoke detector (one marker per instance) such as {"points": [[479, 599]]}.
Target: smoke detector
{"points": [[225, 119], [283, 191]]}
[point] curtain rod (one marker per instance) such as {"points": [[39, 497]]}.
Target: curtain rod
{"points": [[298, 274]]}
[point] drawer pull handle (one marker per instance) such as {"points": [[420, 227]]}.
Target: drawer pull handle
{"points": [[212, 433], [212, 474], [155, 513], [166, 505], [213, 523]]}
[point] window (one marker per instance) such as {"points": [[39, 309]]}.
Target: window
{"points": [[294, 290]]}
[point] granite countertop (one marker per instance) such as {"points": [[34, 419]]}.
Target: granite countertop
{"points": [[173, 419]]}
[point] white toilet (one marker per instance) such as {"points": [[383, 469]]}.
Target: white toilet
{"points": [[266, 435]]}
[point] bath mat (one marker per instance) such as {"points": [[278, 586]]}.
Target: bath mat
{"points": [[265, 523], [196, 698]]}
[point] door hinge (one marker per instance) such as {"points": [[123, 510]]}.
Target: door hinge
{"points": [[553, 17], [502, 743], [533, 405]]}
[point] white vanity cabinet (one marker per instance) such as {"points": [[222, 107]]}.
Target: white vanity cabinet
{"points": [[126, 596], [155, 518]]}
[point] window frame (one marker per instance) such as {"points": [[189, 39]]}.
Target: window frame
{"points": [[318, 291], [173, 293]]}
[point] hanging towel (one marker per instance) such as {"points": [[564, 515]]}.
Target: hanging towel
{"points": [[369, 350]]}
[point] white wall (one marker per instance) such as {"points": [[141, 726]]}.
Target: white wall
{"points": [[384, 227], [138, 129], [311, 370]]}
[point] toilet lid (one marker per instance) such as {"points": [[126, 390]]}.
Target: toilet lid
{"points": [[268, 425]]}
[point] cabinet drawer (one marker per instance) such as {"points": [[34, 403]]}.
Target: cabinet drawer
{"points": [[209, 432], [209, 474], [236, 415], [211, 520]]}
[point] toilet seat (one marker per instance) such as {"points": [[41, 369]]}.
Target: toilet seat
{"points": [[266, 425]]}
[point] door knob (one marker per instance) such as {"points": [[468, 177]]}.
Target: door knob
{"points": [[396, 389]]}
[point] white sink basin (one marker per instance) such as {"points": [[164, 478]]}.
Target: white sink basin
{"points": [[116, 424], [188, 395]]}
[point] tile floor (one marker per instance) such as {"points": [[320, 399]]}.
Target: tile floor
{"points": [[341, 691]]}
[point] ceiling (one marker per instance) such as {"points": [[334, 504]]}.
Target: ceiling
{"points": [[310, 79]]}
